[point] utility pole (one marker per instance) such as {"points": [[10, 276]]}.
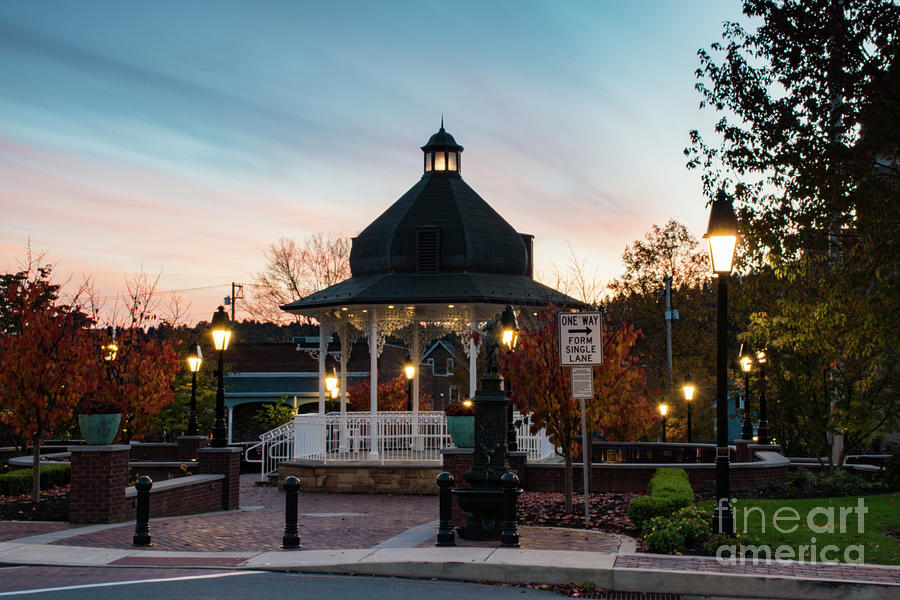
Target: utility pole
{"points": [[237, 293], [670, 314]]}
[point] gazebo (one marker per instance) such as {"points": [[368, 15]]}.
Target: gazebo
{"points": [[439, 260]]}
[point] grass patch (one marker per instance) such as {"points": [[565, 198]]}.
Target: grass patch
{"points": [[882, 517]]}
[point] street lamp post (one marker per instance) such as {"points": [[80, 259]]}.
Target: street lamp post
{"points": [[510, 336], [410, 371], [762, 431], [331, 383], [221, 333], [688, 389], [746, 366], [194, 360], [663, 411], [722, 237]]}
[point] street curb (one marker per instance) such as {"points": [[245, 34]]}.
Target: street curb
{"points": [[502, 565]]}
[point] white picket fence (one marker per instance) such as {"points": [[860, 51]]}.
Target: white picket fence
{"points": [[399, 437]]}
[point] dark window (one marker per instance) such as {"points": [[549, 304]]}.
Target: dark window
{"points": [[428, 246]]}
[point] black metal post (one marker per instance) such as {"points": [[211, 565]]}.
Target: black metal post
{"points": [[509, 536], [409, 395], [747, 424], [723, 518], [512, 442], [762, 431], [220, 431], [445, 535], [291, 539], [193, 426], [690, 434], [664, 429], [142, 523]]}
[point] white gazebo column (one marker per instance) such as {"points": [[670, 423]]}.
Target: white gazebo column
{"points": [[416, 358], [323, 351], [230, 420], [345, 350], [473, 361], [373, 380]]}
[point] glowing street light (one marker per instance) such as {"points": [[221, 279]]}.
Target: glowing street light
{"points": [[663, 411], [688, 389], [220, 327], [721, 235], [194, 360]]}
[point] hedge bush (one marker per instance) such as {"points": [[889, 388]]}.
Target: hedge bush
{"points": [[669, 490], [18, 482], [689, 526]]}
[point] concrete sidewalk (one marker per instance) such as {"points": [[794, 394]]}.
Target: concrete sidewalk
{"points": [[394, 536], [620, 572]]}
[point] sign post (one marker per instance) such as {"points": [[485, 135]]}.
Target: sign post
{"points": [[581, 346]]}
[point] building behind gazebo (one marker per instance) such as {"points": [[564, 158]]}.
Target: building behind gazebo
{"points": [[438, 261]]}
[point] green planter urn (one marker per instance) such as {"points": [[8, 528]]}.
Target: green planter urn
{"points": [[99, 430], [462, 431]]}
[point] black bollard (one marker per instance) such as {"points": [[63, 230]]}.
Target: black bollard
{"points": [[291, 539], [142, 524], [445, 535], [509, 537]]}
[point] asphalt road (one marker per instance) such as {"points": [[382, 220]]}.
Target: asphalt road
{"points": [[71, 583]]}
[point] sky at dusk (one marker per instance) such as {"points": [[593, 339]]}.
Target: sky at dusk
{"points": [[183, 138]]}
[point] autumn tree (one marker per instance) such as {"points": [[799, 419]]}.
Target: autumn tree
{"points": [[140, 378], [807, 145], [392, 396], [44, 347], [294, 270], [541, 386]]}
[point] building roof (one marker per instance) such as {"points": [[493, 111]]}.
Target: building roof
{"points": [[476, 256]]}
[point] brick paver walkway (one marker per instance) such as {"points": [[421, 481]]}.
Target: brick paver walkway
{"points": [[327, 521], [13, 530], [805, 571]]}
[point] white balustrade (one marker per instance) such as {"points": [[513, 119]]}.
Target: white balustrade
{"points": [[402, 437]]}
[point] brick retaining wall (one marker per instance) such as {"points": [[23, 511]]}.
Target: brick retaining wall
{"points": [[361, 478], [182, 496], [633, 478]]}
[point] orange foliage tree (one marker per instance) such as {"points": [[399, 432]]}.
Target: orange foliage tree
{"points": [[45, 347], [391, 396], [141, 377], [542, 386]]}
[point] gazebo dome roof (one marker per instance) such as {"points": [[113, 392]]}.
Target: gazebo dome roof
{"points": [[440, 214], [439, 242]]}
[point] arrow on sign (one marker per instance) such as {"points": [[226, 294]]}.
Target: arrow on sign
{"points": [[586, 330]]}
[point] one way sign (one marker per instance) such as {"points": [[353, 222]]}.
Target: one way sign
{"points": [[580, 338]]}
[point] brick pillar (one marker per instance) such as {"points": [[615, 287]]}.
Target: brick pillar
{"points": [[742, 451], [227, 462], [99, 477], [456, 462], [188, 446]]}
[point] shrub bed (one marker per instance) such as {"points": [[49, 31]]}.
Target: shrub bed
{"points": [[18, 482], [669, 490]]}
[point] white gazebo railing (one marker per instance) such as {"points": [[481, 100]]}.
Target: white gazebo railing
{"points": [[401, 437]]}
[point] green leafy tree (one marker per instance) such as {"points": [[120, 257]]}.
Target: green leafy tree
{"points": [[638, 298], [807, 144]]}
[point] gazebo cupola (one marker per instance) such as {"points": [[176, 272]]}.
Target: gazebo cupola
{"points": [[442, 153]]}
